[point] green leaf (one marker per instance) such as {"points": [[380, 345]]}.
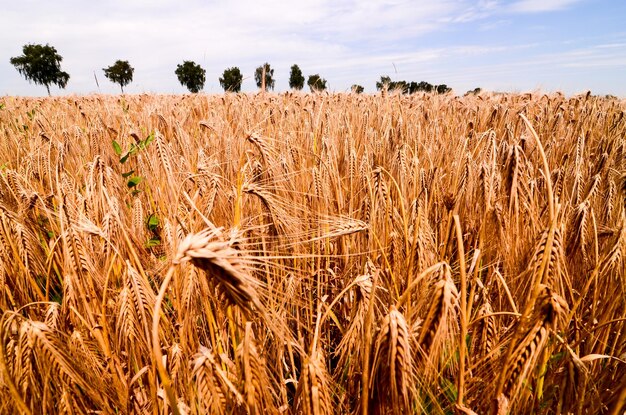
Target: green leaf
{"points": [[117, 148], [134, 181], [153, 242], [127, 174], [133, 150], [153, 222], [2, 105], [148, 140]]}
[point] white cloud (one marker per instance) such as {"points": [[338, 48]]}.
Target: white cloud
{"points": [[535, 6]]}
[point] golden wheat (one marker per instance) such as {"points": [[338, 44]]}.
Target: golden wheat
{"points": [[313, 253]]}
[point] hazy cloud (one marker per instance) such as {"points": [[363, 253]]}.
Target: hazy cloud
{"points": [[533, 6]]}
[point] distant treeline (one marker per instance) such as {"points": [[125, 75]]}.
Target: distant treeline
{"points": [[41, 64], [412, 87]]}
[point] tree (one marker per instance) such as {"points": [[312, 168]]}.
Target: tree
{"points": [[231, 79], [191, 75], [474, 91], [316, 83], [425, 87], [412, 87], [41, 65], [357, 89], [269, 76], [401, 86], [120, 73], [443, 89], [383, 83], [296, 79], [387, 84]]}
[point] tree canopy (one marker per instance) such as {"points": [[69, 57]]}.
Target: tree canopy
{"points": [[443, 89], [120, 73], [42, 65], [296, 79], [316, 83], [231, 79], [383, 83], [424, 87], [412, 87], [191, 76], [474, 91], [357, 89], [269, 76], [387, 84]]}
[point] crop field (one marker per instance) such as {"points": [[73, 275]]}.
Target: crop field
{"points": [[313, 254]]}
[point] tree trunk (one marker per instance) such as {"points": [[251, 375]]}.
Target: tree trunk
{"points": [[48, 88], [122, 88]]}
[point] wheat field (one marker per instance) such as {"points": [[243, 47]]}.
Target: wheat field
{"points": [[313, 254]]}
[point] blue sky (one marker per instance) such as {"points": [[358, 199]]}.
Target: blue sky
{"points": [[504, 45]]}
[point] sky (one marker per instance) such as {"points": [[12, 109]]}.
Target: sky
{"points": [[569, 46]]}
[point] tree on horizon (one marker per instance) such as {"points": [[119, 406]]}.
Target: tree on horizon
{"points": [[357, 89], [120, 73], [316, 83], [475, 91], [296, 79], [42, 65], [191, 75], [384, 83], [443, 89], [269, 76], [231, 79]]}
